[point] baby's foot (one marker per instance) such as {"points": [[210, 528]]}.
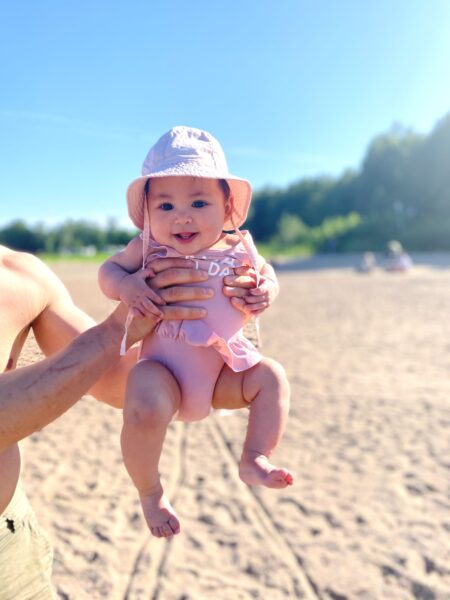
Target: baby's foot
{"points": [[159, 514], [255, 469]]}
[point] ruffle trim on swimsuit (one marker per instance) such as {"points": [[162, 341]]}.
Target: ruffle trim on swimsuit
{"points": [[237, 352]]}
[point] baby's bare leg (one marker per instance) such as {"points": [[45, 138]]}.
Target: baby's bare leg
{"points": [[265, 388], [152, 399]]}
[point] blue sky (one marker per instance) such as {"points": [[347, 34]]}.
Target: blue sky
{"points": [[290, 88]]}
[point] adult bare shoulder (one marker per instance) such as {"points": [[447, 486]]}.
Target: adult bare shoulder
{"points": [[57, 320], [21, 272], [21, 300]]}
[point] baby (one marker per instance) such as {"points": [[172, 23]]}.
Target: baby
{"points": [[185, 203]]}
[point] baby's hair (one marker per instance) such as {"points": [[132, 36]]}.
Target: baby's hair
{"points": [[223, 183], [147, 188]]}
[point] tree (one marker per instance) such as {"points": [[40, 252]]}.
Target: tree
{"points": [[18, 236]]}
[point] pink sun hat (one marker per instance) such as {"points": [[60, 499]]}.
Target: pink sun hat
{"points": [[185, 151]]}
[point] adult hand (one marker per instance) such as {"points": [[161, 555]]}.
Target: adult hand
{"points": [[171, 280], [167, 279]]}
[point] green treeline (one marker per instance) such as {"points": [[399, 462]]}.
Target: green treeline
{"points": [[401, 191], [71, 236]]}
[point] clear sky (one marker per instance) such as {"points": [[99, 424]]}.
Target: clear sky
{"points": [[290, 88]]}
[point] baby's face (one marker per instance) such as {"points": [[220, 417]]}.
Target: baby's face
{"points": [[187, 213]]}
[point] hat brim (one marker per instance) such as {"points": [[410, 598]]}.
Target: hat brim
{"points": [[240, 189]]}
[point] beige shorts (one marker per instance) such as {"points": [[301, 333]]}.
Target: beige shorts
{"points": [[26, 555]]}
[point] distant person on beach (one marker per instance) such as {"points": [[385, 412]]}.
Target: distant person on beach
{"points": [[79, 353], [368, 263], [397, 259], [184, 203]]}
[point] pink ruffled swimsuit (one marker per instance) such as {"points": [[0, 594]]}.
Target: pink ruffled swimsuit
{"points": [[195, 351]]}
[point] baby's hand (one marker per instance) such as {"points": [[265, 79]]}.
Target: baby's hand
{"points": [[135, 292], [255, 300], [244, 294]]}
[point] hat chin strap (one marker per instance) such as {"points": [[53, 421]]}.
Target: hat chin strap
{"points": [[146, 230]]}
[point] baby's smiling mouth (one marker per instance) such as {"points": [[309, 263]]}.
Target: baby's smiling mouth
{"points": [[185, 236]]}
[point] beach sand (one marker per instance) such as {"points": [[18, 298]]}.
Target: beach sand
{"points": [[368, 358]]}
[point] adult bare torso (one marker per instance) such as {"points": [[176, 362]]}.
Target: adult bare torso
{"points": [[21, 302]]}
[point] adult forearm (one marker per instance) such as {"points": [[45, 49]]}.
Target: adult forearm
{"points": [[34, 396]]}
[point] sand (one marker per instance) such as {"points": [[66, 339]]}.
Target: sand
{"points": [[368, 440]]}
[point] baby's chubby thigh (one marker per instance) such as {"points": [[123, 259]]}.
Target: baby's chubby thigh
{"points": [[152, 396], [196, 369]]}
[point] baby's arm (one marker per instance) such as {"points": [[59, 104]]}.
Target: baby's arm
{"points": [[121, 278]]}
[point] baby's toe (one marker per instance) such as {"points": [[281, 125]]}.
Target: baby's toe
{"points": [[174, 525], [156, 531], [289, 479], [278, 478], [166, 530]]}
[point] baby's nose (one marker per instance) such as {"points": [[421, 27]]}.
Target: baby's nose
{"points": [[183, 217]]}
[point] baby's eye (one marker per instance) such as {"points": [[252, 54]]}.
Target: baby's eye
{"points": [[199, 204], [166, 206]]}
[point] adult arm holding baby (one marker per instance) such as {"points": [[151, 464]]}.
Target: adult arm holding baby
{"points": [[81, 355]]}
